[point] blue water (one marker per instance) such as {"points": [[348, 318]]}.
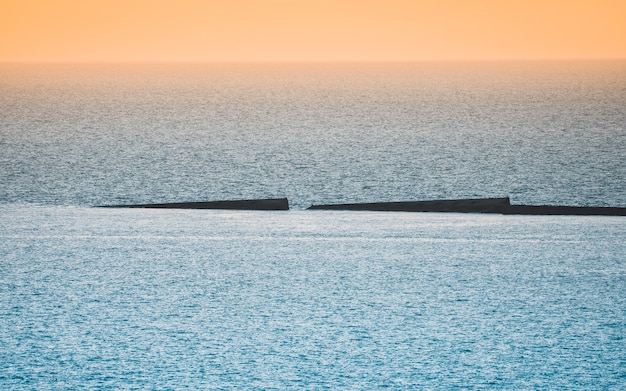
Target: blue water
{"points": [[95, 298]]}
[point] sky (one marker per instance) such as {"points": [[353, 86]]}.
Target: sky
{"points": [[310, 30]]}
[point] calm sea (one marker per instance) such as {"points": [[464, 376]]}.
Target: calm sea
{"points": [[94, 298]]}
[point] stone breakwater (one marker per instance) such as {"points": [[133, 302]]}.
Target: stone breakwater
{"points": [[480, 205], [477, 205], [260, 204]]}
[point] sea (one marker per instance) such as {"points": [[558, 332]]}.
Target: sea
{"points": [[167, 299]]}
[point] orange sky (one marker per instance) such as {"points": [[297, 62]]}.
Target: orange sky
{"points": [[309, 30]]}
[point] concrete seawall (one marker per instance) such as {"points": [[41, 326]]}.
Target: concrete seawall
{"points": [[260, 204], [564, 210], [480, 205], [477, 205]]}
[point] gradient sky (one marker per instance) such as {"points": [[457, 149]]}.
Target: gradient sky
{"points": [[309, 30]]}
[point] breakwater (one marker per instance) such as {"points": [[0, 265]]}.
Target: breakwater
{"points": [[258, 204], [480, 205], [472, 205]]}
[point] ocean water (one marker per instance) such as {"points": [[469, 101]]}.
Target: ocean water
{"points": [[99, 298], [550, 133]]}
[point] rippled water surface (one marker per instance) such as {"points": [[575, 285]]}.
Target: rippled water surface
{"points": [[101, 298], [550, 133]]}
